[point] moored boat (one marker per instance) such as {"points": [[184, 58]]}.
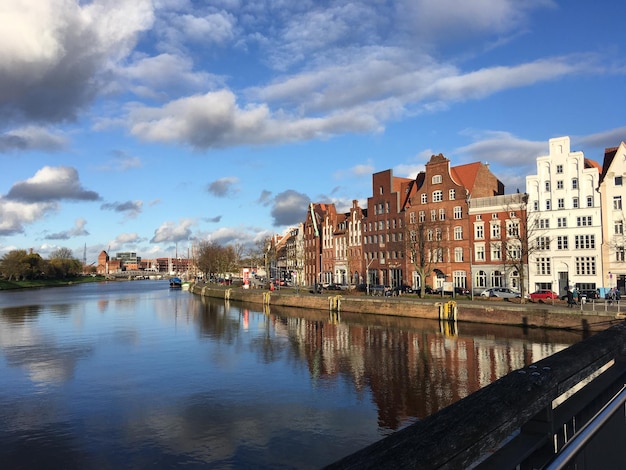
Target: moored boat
{"points": [[176, 283]]}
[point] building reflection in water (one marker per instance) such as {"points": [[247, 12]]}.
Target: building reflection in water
{"points": [[411, 367]]}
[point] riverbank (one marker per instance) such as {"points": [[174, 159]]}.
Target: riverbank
{"points": [[11, 285], [497, 312]]}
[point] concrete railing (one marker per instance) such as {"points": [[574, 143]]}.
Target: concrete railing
{"points": [[520, 421]]}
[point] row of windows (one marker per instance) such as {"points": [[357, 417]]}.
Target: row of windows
{"points": [[513, 252], [560, 203], [581, 242], [436, 215], [512, 230], [388, 237], [582, 221], [561, 185], [583, 266], [437, 196], [386, 224]]}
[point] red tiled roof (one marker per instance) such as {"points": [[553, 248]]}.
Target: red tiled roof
{"points": [[465, 175]]}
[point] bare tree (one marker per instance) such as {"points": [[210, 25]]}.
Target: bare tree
{"points": [[424, 247], [525, 237]]}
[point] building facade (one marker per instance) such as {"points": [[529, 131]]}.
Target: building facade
{"points": [[612, 193], [565, 220]]}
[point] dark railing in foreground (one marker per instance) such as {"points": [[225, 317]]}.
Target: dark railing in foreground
{"points": [[523, 420]]}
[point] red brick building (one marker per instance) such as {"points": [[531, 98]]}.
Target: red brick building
{"points": [[438, 208]]}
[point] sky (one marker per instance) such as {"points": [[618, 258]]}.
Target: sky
{"points": [[151, 125]]}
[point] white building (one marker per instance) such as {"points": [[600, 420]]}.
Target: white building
{"points": [[612, 191], [565, 221]]}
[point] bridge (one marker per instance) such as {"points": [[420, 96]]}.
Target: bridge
{"points": [[565, 411]]}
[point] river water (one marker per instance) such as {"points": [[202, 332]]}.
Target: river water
{"points": [[135, 375]]}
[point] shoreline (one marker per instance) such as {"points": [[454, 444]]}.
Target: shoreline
{"points": [[497, 312]]}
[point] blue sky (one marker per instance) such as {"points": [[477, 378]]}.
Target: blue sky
{"points": [[137, 125]]}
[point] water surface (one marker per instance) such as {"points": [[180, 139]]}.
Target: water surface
{"points": [[135, 375]]}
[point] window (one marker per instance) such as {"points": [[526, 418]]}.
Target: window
{"points": [[452, 194], [438, 234], [494, 215], [543, 223], [380, 190], [585, 265], [513, 229], [589, 201], [479, 217], [496, 279], [387, 207], [479, 231], [458, 233], [429, 235], [618, 181], [548, 204], [424, 198], [512, 214], [617, 203], [458, 255], [575, 203], [562, 242], [561, 222], [458, 212], [584, 242], [495, 230], [583, 221], [514, 251], [433, 215], [559, 184], [547, 186], [543, 266], [422, 216], [536, 205], [481, 279], [574, 183], [412, 217], [436, 179], [480, 253], [496, 252], [619, 227], [543, 243], [560, 202], [619, 253], [437, 196], [559, 169], [442, 214]]}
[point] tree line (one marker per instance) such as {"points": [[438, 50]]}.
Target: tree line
{"points": [[21, 265]]}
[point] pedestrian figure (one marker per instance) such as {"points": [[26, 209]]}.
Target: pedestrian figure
{"points": [[576, 296], [570, 299]]}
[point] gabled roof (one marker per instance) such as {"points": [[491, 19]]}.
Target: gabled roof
{"points": [[593, 164], [609, 156], [465, 175]]}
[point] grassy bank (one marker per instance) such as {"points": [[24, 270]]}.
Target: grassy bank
{"points": [[7, 285]]}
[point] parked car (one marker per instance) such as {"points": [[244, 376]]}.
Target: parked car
{"points": [[378, 289], [457, 291], [501, 292], [332, 287], [543, 294], [403, 289], [589, 294]]}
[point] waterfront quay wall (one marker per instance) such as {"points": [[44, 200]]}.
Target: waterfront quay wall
{"points": [[500, 312]]}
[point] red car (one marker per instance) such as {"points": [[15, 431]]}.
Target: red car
{"points": [[543, 294]]}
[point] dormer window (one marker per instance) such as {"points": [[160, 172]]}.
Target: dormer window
{"points": [[436, 179]]}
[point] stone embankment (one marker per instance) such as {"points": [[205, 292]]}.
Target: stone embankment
{"points": [[500, 312]]}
